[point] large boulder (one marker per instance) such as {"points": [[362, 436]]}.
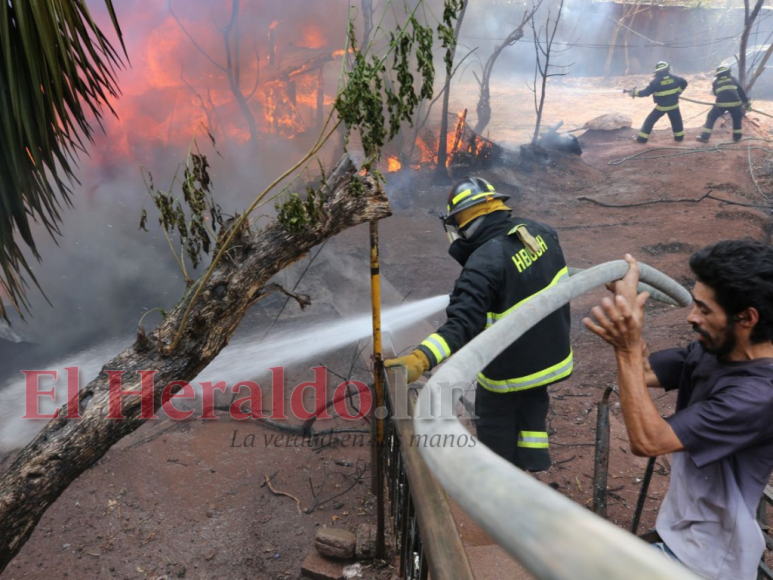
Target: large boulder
{"points": [[609, 122]]}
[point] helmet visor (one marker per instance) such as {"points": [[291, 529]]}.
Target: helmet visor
{"points": [[450, 228]]}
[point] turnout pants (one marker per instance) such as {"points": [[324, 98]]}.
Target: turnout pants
{"points": [[513, 425], [715, 113], [674, 115]]}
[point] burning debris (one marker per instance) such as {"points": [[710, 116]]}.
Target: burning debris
{"points": [[465, 149], [470, 150]]}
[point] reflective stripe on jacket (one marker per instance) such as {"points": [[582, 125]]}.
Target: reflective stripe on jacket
{"points": [[665, 91], [729, 92], [500, 276]]}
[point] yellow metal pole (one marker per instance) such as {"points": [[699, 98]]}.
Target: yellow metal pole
{"points": [[378, 381]]}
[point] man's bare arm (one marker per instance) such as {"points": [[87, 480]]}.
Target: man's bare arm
{"points": [[620, 322], [650, 378], [649, 434]]}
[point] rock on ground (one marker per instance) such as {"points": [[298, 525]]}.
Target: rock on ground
{"points": [[609, 122], [318, 567], [335, 543]]}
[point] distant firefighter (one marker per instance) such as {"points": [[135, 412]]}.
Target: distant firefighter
{"points": [[665, 89], [730, 97]]}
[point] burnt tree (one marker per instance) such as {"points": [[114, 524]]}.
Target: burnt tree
{"points": [[749, 16], [757, 69], [233, 65], [66, 448], [484, 100], [543, 51], [441, 172], [626, 21]]}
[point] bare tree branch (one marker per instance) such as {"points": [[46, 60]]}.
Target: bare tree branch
{"points": [[484, 100], [749, 18], [232, 44], [192, 39], [544, 68], [195, 93]]}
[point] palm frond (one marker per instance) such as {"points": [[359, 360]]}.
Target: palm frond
{"points": [[57, 71]]}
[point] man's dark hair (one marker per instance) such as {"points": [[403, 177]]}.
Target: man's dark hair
{"points": [[741, 274]]}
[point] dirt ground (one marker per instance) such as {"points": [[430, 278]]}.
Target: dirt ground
{"points": [[184, 500]]}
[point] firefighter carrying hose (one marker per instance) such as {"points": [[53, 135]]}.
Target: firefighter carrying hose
{"points": [[665, 89], [506, 261], [731, 98]]}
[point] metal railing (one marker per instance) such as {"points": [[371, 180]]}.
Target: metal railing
{"points": [[601, 468], [425, 537], [601, 458], [549, 534]]}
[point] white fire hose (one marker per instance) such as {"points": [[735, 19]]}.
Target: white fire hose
{"points": [[549, 534]]}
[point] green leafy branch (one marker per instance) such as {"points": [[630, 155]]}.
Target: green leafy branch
{"points": [[188, 213], [369, 92], [296, 214]]}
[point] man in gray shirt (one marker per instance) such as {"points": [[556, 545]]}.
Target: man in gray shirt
{"points": [[722, 432]]}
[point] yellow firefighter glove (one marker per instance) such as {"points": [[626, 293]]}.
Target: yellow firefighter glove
{"points": [[416, 363]]}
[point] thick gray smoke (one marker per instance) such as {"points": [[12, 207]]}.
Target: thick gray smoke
{"points": [[602, 38]]}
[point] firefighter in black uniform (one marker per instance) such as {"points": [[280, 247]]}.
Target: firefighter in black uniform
{"points": [[506, 261], [730, 97], [665, 89]]}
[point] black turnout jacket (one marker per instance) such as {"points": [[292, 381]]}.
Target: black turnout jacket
{"points": [[500, 274], [729, 92], [665, 91]]}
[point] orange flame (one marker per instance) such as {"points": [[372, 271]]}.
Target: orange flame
{"points": [[172, 91], [425, 148], [312, 36], [393, 164], [455, 139], [427, 154], [280, 113]]}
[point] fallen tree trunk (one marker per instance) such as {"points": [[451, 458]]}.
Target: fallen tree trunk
{"points": [[64, 449]]}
